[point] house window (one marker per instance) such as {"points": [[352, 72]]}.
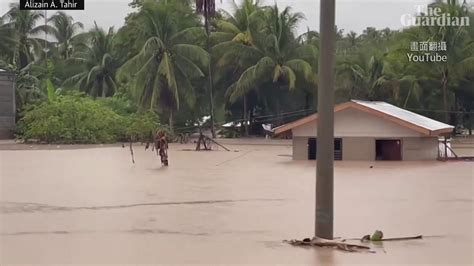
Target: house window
{"points": [[312, 148]]}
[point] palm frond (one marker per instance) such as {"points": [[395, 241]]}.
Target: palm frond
{"points": [[277, 73], [290, 76], [188, 68], [245, 83], [192, 35], [225, 26], [303, 69], [263, 68], [192, 52], [166, 70]]}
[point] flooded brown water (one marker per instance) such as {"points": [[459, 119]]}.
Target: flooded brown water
{"points": [[92, 206]]}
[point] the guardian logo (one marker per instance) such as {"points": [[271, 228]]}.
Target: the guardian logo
{"points": [[52, 4], [433, 16]]}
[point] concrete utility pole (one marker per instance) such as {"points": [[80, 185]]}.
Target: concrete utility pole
{"points": [[325, 140]]}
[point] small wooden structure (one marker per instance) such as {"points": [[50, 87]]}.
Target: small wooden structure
{"points": [[206, 143]]}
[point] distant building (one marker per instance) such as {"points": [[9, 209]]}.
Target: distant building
{"points": [[367, 131], [7, 104]]}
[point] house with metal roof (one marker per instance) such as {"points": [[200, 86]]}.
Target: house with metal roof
{"points": [[369, 130]]}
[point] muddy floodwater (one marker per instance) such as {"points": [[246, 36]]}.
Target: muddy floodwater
{"points": [[93, 206]]}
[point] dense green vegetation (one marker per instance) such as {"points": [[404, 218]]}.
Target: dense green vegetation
{"points": [[159, 63], [77, 118]]}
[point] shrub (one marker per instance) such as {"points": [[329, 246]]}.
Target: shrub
{"points": [[80, 119], [71, 119], [120, 104]]}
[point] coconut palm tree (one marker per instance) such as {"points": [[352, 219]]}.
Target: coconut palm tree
{"points": [[237, 26], [7, 40], [352, 38], [272, 58], [24, 23], [99, 64], [163, 71], [28, 89], [65, 30], [7, 43], [398, 83], [208, 9], [275, 57], [460, 52], [359, 77], [234, 31]]}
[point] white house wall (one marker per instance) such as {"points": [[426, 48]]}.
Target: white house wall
{"points": [[355, 123], [363, 148], [300, 148], [358, 148], [414, 149]]}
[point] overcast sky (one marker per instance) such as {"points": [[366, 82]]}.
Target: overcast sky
{"points": [[353, 15]]}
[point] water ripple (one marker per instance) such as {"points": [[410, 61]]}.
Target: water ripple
{"points": [[29, 207]]}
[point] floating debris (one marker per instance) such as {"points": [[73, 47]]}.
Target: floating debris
{"points": [[321, 242]]}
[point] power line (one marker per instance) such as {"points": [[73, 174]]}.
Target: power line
{"points": [[266, 118], [275, 117]]}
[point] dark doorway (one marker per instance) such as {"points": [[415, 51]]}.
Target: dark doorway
{"points": [[388, 150], [312, 148], [337, 149]]}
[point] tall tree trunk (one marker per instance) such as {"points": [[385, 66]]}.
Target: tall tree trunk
{"points": [[406, 99], [208, 47], [23, 60], [249, 118], [171, 121], [245, 116], [469, 123], [444, 84]]}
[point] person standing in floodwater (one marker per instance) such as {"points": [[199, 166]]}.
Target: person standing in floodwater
{"points": [[161, 145]]}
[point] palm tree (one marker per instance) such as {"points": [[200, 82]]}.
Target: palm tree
{"points": [[398, 83], [208, 9], [276, 56], [460, 55], [458, 60], [64, 29], [234, 31], [163, 71], [260, 49], [28, 88], [99, 64], [238, 27], [360, 77], [24, 22], [352, 38], [371, 34], [7, 42]]}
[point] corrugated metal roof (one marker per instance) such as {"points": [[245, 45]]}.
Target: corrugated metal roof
{"points": [[405, 115], [419, 123]]}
